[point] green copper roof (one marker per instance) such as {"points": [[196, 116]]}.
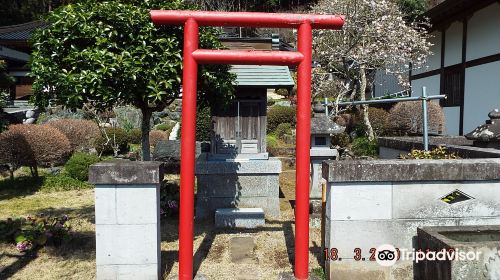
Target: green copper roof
{"points": [[268, 76]]}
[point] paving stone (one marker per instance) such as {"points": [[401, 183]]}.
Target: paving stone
{"points": [[239, 217], [242, 250]]}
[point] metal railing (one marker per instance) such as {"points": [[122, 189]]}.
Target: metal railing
{"points": [[423, 97]]}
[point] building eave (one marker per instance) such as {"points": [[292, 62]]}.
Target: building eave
{"points": [[449, 11]]}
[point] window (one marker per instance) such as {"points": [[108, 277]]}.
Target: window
{"points": [[452, 86], [320, 141]]}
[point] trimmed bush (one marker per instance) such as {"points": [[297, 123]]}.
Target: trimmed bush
{"points": [[117, 137], [282, 130], [379, 119], [280, 114], [135, 136], [80, 133], [156, 136], [361, 146], [33, 145], [406, 118], [78, 165]]}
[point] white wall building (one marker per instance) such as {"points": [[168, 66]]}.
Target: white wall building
{"points": [[465, 64]]}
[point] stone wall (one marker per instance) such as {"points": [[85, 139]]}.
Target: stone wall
{"points": [[371, 203]]}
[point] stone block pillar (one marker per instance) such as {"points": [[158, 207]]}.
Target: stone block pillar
{"points": [[127, 219]]}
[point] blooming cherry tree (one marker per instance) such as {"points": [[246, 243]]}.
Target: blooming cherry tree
{"points": [[375, 37]]}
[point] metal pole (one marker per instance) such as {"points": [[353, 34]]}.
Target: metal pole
{"points": [[326, 106], [302, 152], [393, 100], [186, 215], [424, 114]]}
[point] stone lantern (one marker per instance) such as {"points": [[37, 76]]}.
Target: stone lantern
{"points": [[488, 134], [322, 130]]}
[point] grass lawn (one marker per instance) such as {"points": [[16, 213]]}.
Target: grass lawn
{"points": [[76, 259]]}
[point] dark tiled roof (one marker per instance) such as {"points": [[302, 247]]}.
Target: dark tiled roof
{"points": [[20, 32]]}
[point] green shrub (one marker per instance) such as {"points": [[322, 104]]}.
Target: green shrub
{"points": [[437, 153], [282, 130], [134, 136], [34, 232], [117, 137], [271, 141], [62, 182], [203, 124], [280, 114], [361, 146], [167, 127], [77, 167], [342, 140]]}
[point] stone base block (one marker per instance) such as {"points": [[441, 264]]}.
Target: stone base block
{"points": [[239, 217], [245, 184]]}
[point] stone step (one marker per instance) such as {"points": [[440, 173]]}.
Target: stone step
{"points": [[239, 217]]}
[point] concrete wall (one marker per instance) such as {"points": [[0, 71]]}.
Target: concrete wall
{"points": [[483, 33], [370, 203], [482, 94]]}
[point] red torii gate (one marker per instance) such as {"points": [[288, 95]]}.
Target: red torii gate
{"points": [[194, 56]]}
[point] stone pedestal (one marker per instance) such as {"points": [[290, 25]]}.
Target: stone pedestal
{"points": [[127, 219], [238, 184], [318, 155]]}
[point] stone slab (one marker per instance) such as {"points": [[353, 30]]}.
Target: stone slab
{"points": [[127, 244], [234, 185], [205, 207], [239, 218], [105, 204], [125, 172], [138, 205], [366, 201], [411, 170], [323, 153], [270, 166]]}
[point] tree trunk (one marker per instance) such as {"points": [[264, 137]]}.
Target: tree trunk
{"points": [[362, 94], [145, 128]]}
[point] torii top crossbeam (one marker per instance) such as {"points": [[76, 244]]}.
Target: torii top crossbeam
{"points": [[194, 56]]}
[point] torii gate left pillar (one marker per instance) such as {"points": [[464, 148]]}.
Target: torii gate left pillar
{"points": [[194, 56]]}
